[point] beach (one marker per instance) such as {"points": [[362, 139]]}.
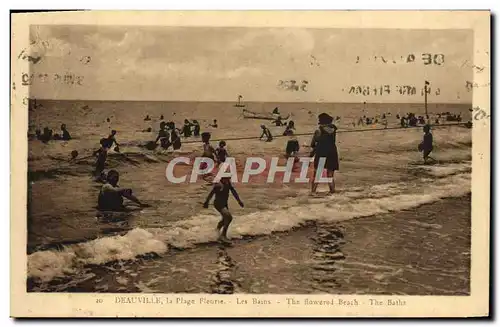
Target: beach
{"points": [[392, 222]]}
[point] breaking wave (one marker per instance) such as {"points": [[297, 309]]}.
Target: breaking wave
{"points": [[453, 181]]}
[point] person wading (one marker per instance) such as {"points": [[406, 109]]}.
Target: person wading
{"points": [[323, 146]]}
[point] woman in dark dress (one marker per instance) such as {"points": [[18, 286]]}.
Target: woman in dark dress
{"points": [[324, 149]]}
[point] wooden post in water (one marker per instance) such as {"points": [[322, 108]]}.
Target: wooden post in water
{"points": [[425, 97]]}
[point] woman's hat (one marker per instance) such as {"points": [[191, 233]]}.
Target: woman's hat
{"points": [[325, 118]]}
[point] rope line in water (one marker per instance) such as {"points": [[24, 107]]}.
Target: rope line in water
{"points": [[338, 131]]}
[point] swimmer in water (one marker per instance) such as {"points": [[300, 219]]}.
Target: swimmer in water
{"points": [[111, 195], [221, 192], [289, 128], [111, 140], [163, 136], [147, 117], [65, 134], [100, 164], [175, 139], [292, 148], [208, 152], [221, 152], [196, 128], [267, 133], [427, 144], [208, 149], [186, 129], [47, 135], [214, 125]]}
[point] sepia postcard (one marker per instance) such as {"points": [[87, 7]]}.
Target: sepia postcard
{"points": [[250, 164]]}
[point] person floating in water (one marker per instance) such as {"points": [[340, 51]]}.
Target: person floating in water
{"points": [[147, 117], [426, 146], [111, 195], [214, 125], [186, 129], [221, 152], [221, 192], [196, 128], [161, 117], [100, 164], [289, 128], [323, 145], [276, 111], [108, 120], [267, 133]]}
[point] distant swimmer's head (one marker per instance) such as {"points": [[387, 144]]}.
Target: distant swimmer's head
{"points": [[263, 126], [427, 128], [222, 143], [205, 136], [113, 132], [215, 121], [325, 119], [113, 177], [74, 154]]}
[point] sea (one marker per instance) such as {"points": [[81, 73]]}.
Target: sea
{"points": [[394, 225]]}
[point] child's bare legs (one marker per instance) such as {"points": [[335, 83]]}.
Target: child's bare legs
{"points": [[427, 156], [314, 184], [219, 225], [331, 185], [224, 223]]}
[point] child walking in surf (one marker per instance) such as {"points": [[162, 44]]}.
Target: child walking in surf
{"points": [[221, 192]]}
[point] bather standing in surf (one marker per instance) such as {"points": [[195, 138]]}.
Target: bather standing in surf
{"points": [[221, 192], [324, 147]]}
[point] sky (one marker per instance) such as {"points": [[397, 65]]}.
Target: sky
{"points": [[219, 63]]}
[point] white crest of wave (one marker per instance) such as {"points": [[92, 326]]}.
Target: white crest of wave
{"points": [[45, 265], [348, 204]]}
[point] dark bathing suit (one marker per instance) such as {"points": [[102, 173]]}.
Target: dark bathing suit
{"points": [[427, 144], [324, 146], [110, 199], [222, 196]]}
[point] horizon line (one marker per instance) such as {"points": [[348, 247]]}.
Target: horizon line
{"points": [[253, 101]]}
